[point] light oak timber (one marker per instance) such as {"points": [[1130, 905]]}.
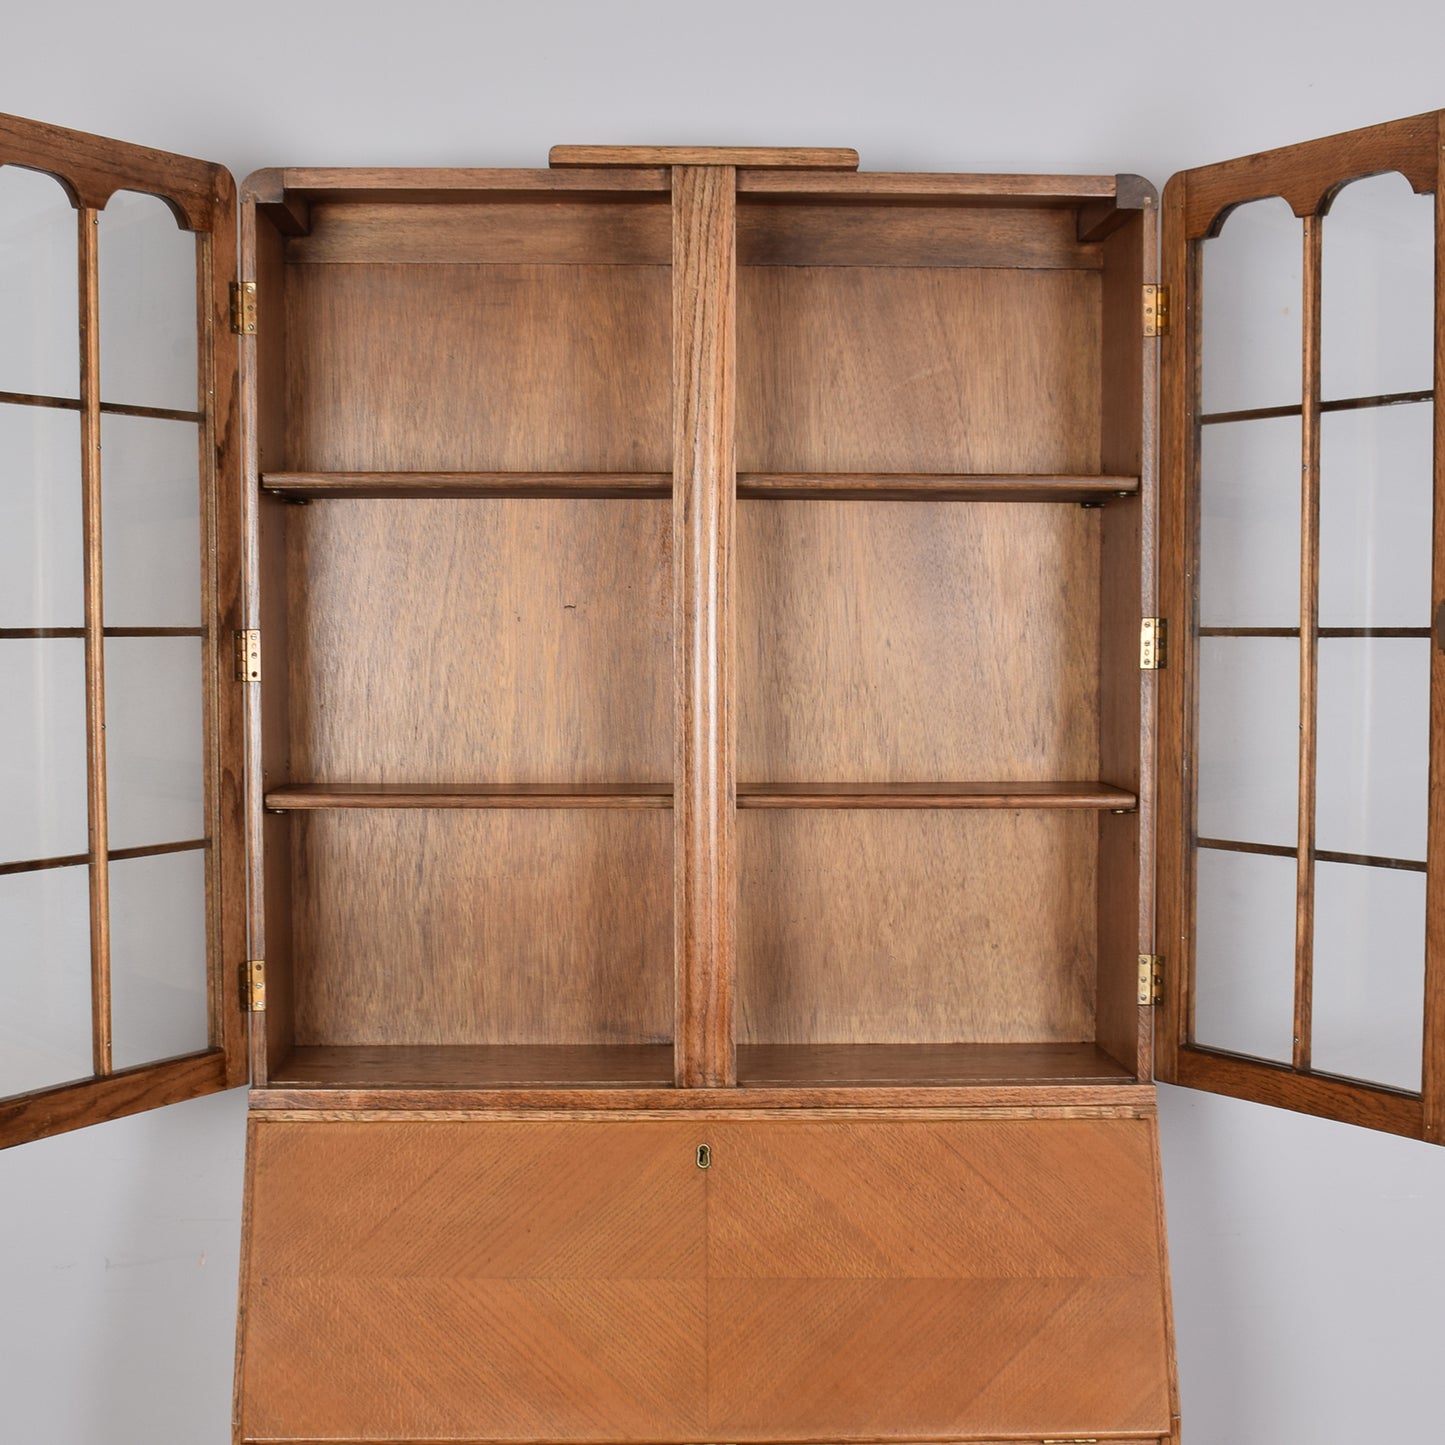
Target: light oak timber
{"points": [[389, 370], [912, 1065], [832, 1245], [828, 381], [934, 795], [799, 486], [93, 601], [1112, 1102], [279, 186], [475, 795], [988, 190], [1433, 1064], [580, 1066], [851, 233], [704, 275], [45, 1112], [725, 157]]}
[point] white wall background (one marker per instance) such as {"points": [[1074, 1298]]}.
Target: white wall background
{"points": [[1309, 1258]]}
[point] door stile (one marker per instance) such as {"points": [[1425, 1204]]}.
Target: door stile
{"points": [[1433, 1070], [704, 289], [1309, 625], [1177, 559], [88, 250]]}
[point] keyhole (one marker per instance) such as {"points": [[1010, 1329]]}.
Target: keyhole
{"points": [[704, 1156]]}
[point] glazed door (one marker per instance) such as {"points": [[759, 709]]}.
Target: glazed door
{"points": [[1301, 913], [122, 873], [936, 1280]]}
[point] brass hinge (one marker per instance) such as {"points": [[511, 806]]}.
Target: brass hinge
{"points": [[1151, 979], [1156, 310], [248, 655], [243, 308], [253, 986], [1153, 635]]}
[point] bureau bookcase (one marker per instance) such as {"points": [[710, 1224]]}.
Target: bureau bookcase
{"points": [[712, 693]]}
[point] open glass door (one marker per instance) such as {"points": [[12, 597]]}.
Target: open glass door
{"points": [[122, 865], [1300, 907]]}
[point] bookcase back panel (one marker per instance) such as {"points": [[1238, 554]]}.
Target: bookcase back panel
{"points": [[872, 646], [481, 641], [865, 368], [396, 367], [916, 927], [483, 927]]}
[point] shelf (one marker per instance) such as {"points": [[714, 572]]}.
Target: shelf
{"points": [[469, 795], [781, 486], [774, 1066], [481, 1066], [303, 796], [935, 795]]}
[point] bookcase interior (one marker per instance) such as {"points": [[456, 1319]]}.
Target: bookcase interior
{"points": [[466, 541]]}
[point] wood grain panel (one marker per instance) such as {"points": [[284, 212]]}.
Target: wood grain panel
{"points": [[915, 927], [481, 642], [993, 370], [483, 927], [852, 234], [484, 1066], [478, 368], [864, 656], [834, 158], [508, 1281], [509, 232], [762, 1066], [704, 525], [1026, 1254]]}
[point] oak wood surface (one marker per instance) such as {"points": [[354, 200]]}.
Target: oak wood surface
{"points": [[911, 1065], [916, 926], [852, 233], [1126, 594], [471, 795], [799, 486], [546, 1283], [704, 277], [934, 795], [1433, 1063], [724, 157], [989, 190], [863, 654], [483, 926], [477, 368], [480, 642], [833, 1249], [577, 1066], [829, 381]]}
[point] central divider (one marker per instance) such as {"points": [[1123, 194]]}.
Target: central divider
{"points": [[704, 328]]}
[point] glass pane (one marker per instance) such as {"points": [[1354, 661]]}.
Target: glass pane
{"points": [[1369, 997], [1250, 318], [41, 549], [1372, 783], [42, 749], [148, 344], [39, 286], [1376, 489], [44, 978], [158, 957], [1244, 953], [1249, 739], [1249, 518], [151, 500], [153, 740], [1376, 337]]}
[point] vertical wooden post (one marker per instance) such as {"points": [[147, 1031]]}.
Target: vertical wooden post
{"points": [[98, 827], [1309, 643], [1433, 1069], [704, 273]]}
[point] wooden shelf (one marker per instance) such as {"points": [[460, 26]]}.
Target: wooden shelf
{"points": [[934, 795], [302, 796], [781, 486], [470, 795], [483, 1066], [771, 1066], [650, 1066]]}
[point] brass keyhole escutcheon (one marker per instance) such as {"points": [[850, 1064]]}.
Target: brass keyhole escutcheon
{"points": [[704, 1156]]}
